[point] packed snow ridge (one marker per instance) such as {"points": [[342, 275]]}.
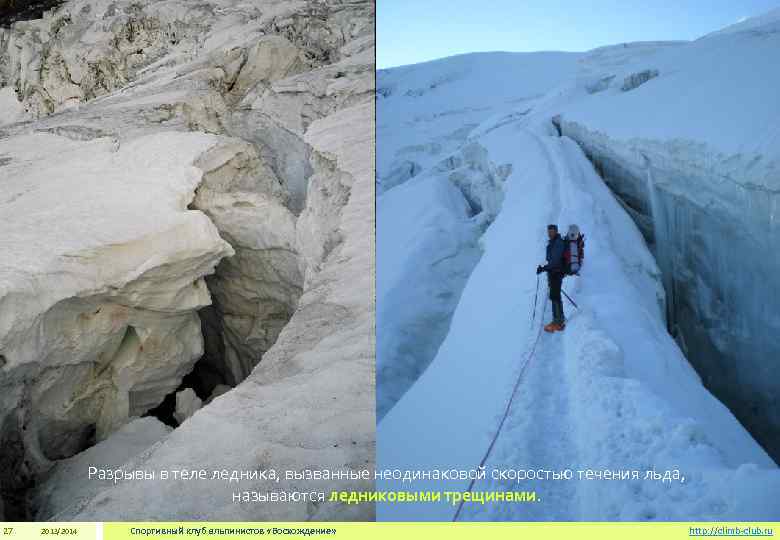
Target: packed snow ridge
{"points": [[187, 206], [666, 155]]}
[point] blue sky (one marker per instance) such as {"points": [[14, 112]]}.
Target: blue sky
{"points": [[411, 31]]}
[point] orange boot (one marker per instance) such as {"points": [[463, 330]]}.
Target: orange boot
{"points": [[551, 327]]}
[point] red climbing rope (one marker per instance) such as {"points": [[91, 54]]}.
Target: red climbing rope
{"points": [[506, 410]]}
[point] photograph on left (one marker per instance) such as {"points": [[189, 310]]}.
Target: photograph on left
{"points": [[186, 260]]}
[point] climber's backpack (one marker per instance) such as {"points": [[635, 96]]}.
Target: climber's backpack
{"points": [[573, 251]]}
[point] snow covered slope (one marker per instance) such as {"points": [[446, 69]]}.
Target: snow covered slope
{"points": [[427, 110], [615, 390]]}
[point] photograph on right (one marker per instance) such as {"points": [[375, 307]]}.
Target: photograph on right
{"points": [[577, 261]]}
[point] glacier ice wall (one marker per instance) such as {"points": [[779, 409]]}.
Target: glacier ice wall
{"points": [[143, 146], [711, 221]]}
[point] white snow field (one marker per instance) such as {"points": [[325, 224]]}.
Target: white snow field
{"points": [[614, 391]]}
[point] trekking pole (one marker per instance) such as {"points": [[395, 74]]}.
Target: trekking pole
{"points": [[536, 297], [569, 299]]}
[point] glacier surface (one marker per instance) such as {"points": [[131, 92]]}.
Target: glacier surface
{"points": [[677, 276]]}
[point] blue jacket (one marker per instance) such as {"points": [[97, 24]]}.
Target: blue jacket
{"points": [[555, 262]]}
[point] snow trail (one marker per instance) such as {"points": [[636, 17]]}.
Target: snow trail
{"points": [[528, 357], [539, 426], [538, 435]]}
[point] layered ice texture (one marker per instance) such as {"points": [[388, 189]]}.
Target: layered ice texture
{"points": [[666, 156], [187, 217]]}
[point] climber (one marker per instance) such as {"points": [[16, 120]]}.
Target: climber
{"points": [[555, 269]]}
